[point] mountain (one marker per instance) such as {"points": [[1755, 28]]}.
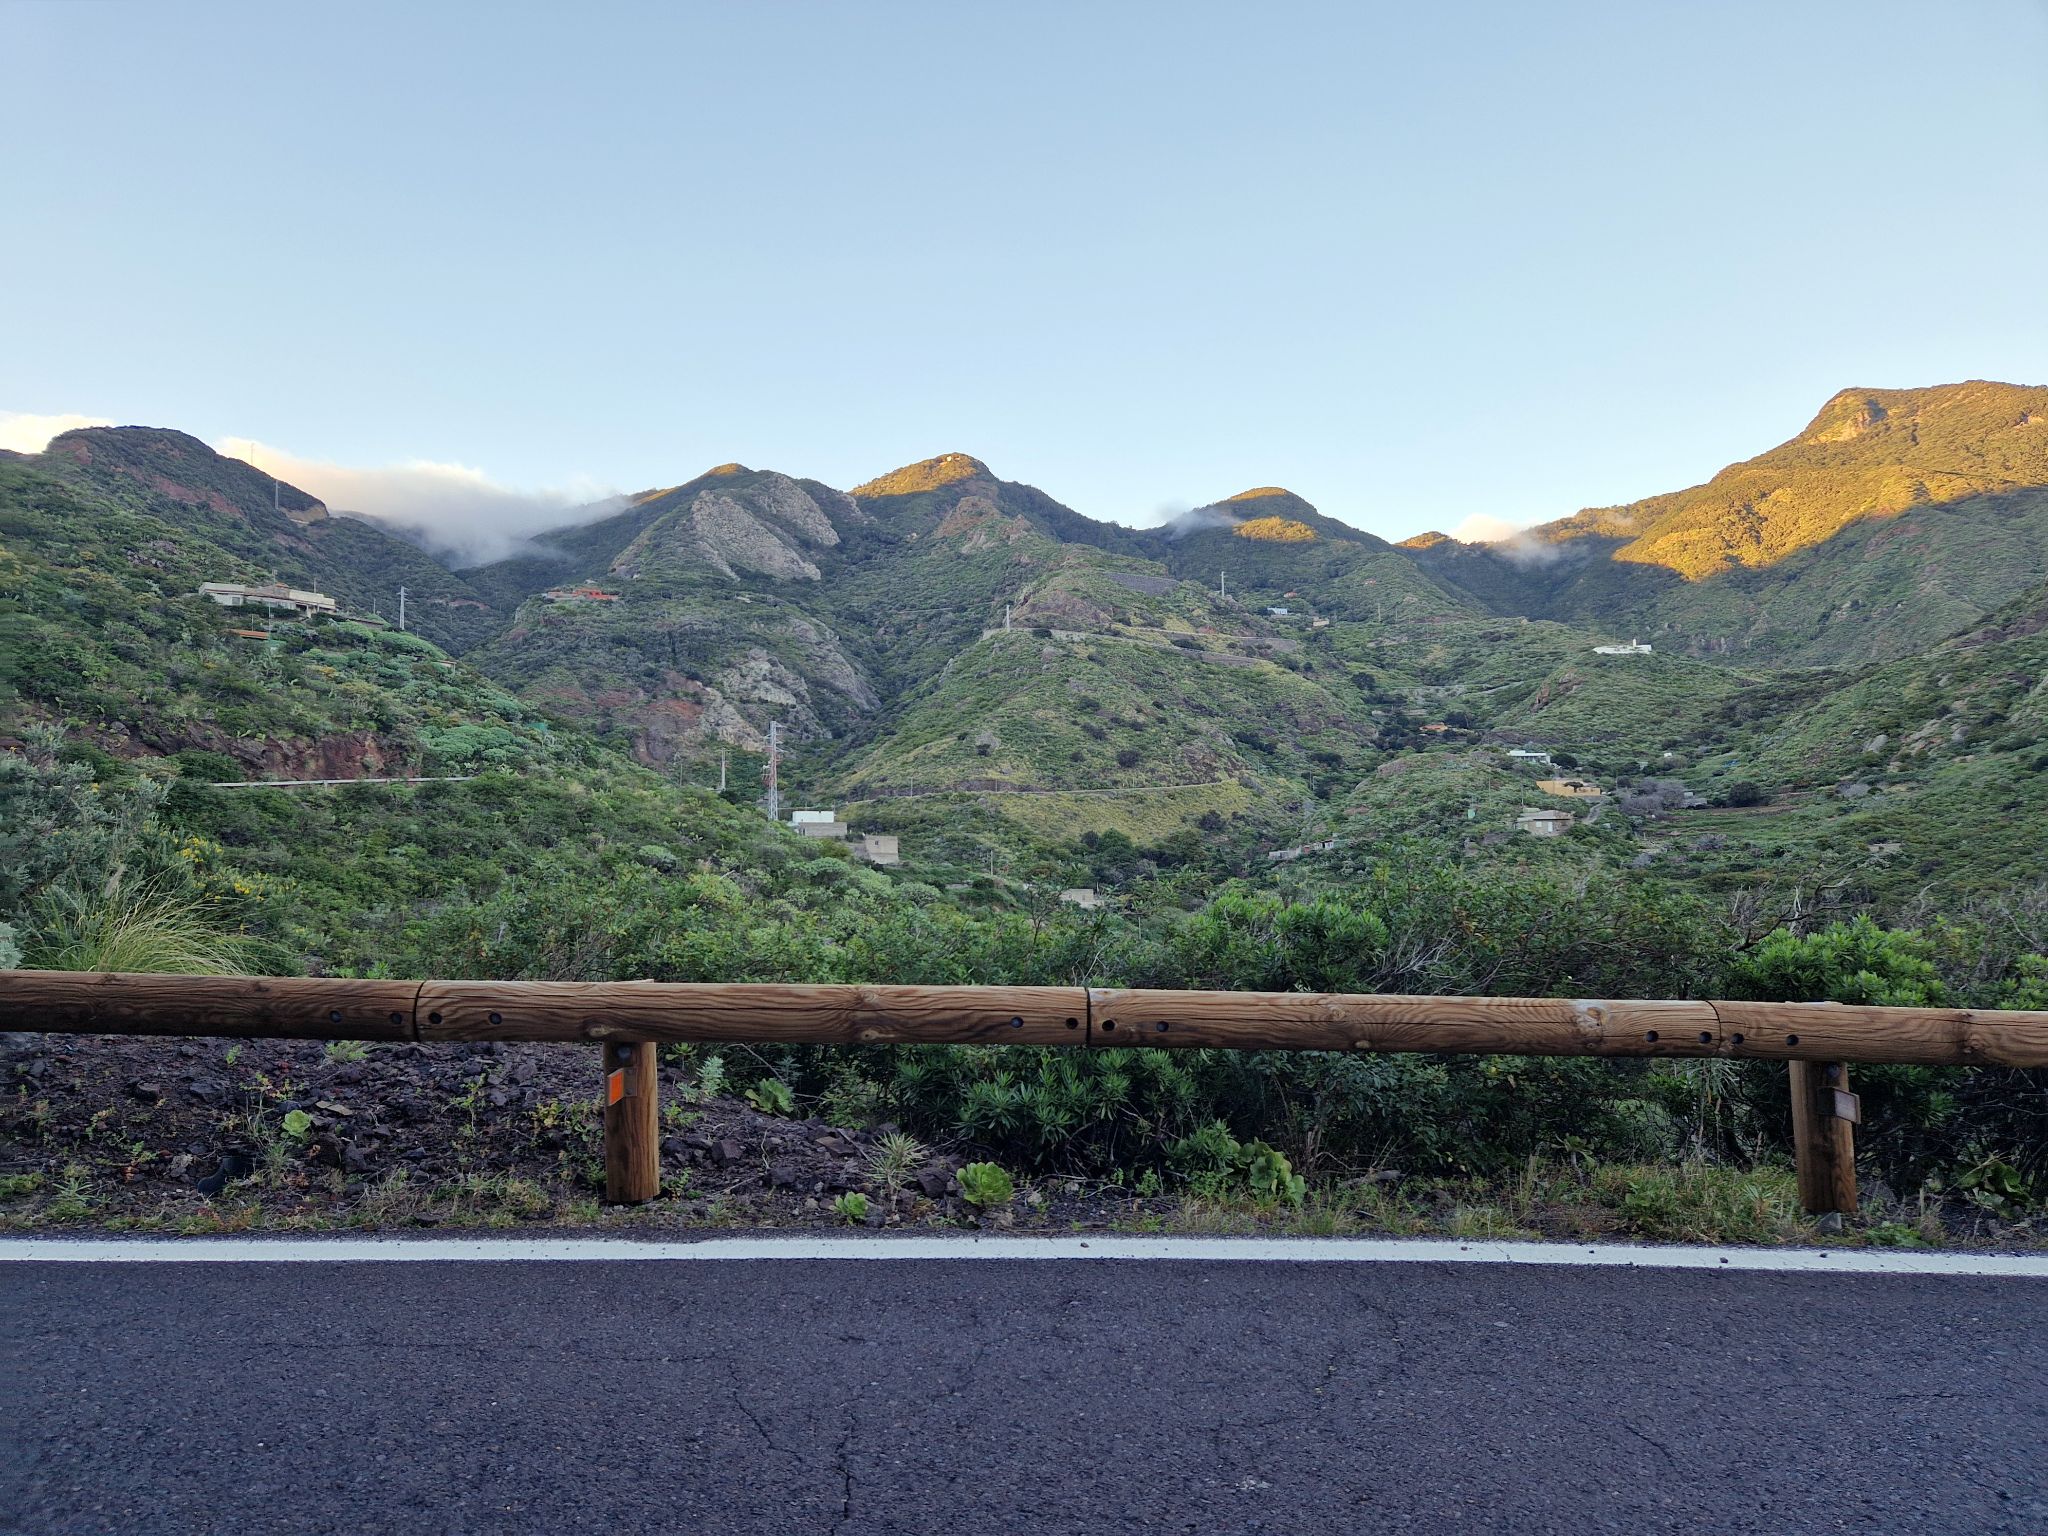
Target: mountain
{"points": [[1868, 454], [939, 630], [126, 692], [744, 596], [970, 662], [709, 625], [1275, 549], [261, 529], [1894, 518]]}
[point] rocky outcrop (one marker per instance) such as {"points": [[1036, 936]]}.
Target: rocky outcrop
{"points": [[979, 524], [732, 539], [829, 664], [760, 524]]}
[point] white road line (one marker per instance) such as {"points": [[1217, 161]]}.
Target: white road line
{"points": [[402, 1250]]}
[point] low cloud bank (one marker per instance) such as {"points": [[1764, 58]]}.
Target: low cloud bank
{"points": [[1198, 520], [1514, 544], [453, 509], [29, 432]]}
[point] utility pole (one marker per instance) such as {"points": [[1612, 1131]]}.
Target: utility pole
{"points": [[401, 608], [721, 770], [1223, 583], [275, 496], [1006, 618], [774, 766]]}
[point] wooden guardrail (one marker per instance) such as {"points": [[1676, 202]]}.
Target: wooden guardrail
{"points": [[630, 1019]]}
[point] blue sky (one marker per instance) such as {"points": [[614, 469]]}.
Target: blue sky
{"points": [[1419, 263]]}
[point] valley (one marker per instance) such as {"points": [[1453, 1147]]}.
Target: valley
{"points": [[1255, 747]]}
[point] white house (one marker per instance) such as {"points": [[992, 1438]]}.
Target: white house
{"points": [[818, 824], [1633, 648], [272, 595]]}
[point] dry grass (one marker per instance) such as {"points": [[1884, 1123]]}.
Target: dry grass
{"points": [[141, 930]]}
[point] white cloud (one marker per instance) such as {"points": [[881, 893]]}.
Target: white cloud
{"points": [[27, 432], [1479, 528], [1513, 542], [454, 508]]}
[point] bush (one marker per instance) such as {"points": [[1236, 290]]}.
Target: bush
{"points": [[851, 1208], [1853, 962], [1216, 1163], [985, 1185]]}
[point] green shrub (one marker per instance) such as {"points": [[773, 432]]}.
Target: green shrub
{"points": [[985, 1185], [851, 1208], [1216, 1163], [1852, 962], [772, 1096]]}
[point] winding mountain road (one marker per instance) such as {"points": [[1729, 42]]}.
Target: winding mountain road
{"points": [[963, 1395]]}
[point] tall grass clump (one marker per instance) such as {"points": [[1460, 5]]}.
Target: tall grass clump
{"points": [[139, 929]]}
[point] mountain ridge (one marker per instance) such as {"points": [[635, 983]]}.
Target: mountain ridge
{"points": [[1908, 511]]}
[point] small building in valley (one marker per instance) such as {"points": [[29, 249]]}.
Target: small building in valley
{"points": [[578, 595], [1085, 896], [878, 848], [824, 824], [1633, 648], [1289, 855], [1541, 823], [274, 596]]}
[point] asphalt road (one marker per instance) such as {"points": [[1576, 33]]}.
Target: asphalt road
{"points": [[963, 1397]]}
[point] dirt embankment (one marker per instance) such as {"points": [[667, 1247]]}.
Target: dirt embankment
{"points": [[211, 1135]]}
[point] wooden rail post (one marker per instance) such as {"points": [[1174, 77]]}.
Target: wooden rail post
{"points": [[1824, 1116], [632, 1121]]}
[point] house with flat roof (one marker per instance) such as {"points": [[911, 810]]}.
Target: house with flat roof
{"points": [[274, 596], [824, 824], [578, 595]]}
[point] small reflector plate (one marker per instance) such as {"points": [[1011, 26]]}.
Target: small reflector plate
{"points": [[615, 1085], [1848, 1107]]}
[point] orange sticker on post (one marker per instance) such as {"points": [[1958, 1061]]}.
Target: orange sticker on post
{"points": [[614, 1085]]}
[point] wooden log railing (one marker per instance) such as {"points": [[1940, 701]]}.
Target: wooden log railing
{"points": [[630, 1018]]}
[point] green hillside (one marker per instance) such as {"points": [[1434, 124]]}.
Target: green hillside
{"points": [[1980, 694], [136, 707], [1099, 712], [1129, 693], [252, 527], [1102, 768]]}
